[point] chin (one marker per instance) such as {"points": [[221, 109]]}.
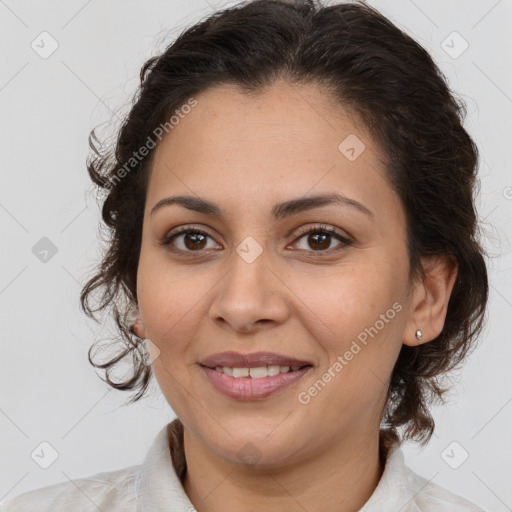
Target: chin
{"points": [[253, 443]]}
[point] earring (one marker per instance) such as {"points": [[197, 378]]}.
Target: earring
{"points": [[419, 335]]}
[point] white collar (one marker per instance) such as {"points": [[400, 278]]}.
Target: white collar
{"points": [[158, 487]]}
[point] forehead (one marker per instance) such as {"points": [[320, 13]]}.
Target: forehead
{"points": [[279, 144]]}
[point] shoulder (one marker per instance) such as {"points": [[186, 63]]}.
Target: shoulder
{"points": [[112, 490], [400, 488], [431, 497]]}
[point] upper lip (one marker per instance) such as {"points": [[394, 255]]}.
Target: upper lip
{"points": [[238, 360]]}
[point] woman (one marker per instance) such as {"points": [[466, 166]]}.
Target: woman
{"points": [[293, 254]]}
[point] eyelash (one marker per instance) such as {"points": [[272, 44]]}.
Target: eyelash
{"points": [[166, 242]]}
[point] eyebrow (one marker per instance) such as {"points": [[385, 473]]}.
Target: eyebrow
{"points": [[279, 211]]}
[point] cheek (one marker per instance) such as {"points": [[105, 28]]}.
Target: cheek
{"points": [[173, 300], [355, 315], [357, 322], [163, 298], [168, 313], [346, 301]]}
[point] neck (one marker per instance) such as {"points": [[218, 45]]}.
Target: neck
{"points": [[342, 477]]}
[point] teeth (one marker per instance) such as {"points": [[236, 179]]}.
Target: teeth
{"points": [[274, 370], [240, 372], [256, 373]]}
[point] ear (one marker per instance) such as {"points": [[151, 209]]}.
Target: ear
{"points": [[430, 299], [137, 326], [138, 329]]}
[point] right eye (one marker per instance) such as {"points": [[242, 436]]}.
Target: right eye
{"points": [[191, 240]]}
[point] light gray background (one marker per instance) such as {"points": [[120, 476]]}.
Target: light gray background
{"points": [[48, 106]]}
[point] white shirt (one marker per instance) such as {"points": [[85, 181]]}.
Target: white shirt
{"points": [[155, 486]]}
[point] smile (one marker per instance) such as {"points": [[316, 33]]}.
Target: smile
{"points": [[253, 383], [258, 372]]}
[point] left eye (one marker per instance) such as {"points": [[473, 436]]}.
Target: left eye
{"points": [[319, 237]]}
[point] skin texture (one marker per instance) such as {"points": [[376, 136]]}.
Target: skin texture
{"points": [[246, 153]]}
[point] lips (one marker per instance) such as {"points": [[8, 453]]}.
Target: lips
{"points": [[248, 389], [254, 360]]}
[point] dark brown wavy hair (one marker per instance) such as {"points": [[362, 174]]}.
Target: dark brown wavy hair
{"points": [[381, 76]]}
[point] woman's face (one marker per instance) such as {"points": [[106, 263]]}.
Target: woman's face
{"points": [[255, 282]]}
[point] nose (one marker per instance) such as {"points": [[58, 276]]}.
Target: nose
{"points": [[250, 296]]}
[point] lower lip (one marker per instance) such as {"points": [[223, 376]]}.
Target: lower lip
{"points": [[247, 388]]}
